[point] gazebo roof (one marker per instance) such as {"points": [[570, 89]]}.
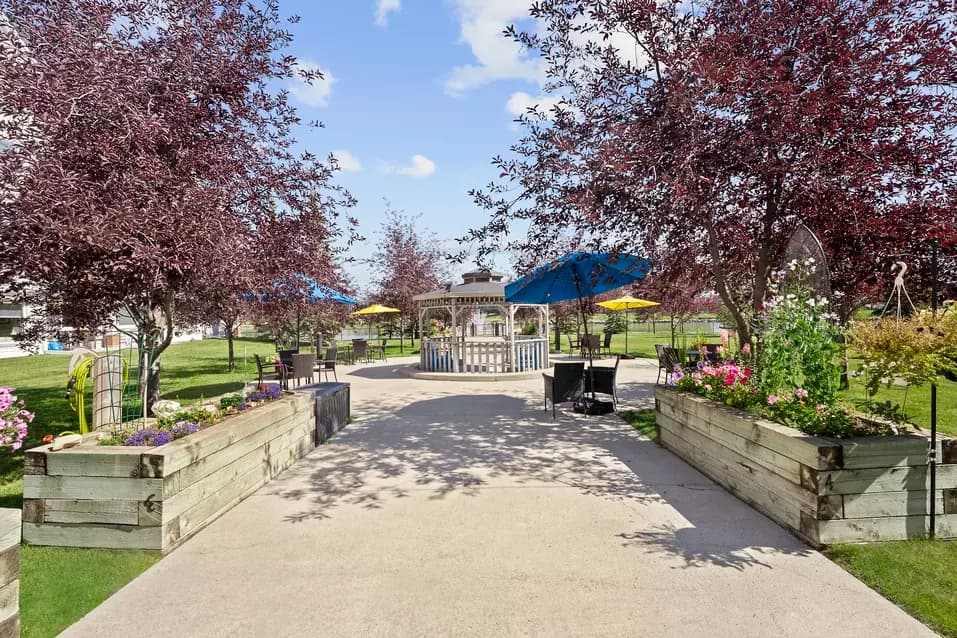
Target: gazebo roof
{"points": [[480, 284]]}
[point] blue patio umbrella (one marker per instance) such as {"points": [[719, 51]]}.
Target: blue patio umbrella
{"points": [[314, 293], [577, 275]]}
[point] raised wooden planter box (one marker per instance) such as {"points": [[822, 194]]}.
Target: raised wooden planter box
{"points": [[9, 573], [825, 490], [156, 498]]}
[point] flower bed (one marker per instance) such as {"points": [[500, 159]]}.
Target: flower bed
{"points": [[156, 497], [825, 490]]}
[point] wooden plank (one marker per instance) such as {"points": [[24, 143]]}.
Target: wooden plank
{"points": [[87, 535], [10, 564], [104, 461], [33, 510], [188, 450], [9, 528], [781, 510], [208, 465], [90, 511], [745, 468], [91, 487], [857, 530], [10, 599], [10, 627], [779, 464], [205, 511], [809, 450], [149, 513], [892, 479], [886, 451], [883, 504], [35, 460]]}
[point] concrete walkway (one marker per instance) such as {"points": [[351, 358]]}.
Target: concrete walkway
{"points": [[463, 509]]}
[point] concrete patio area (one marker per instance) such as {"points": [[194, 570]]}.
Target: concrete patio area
{"points": [[463, 509]]}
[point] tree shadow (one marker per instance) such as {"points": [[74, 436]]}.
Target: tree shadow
{"points": [[461, 443]]}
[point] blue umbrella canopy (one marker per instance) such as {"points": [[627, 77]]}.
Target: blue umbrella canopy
{"points": [[313, 292], [576, 276]]}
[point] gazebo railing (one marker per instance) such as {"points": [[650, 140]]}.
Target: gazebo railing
{"points": [[454, 354]]}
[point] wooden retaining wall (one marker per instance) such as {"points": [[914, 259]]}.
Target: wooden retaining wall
{"points": [[156, 498], [9, 573], [825, 490]]}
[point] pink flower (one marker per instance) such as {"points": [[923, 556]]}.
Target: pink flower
{"points": [[746, 348], [800, 393], [820, 407], [772, 399], [708, 387]]}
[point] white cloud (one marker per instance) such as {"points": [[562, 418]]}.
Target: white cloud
{"points": [[348, 163], [383, 9], [521, 101], [497, 57], [317, 93], [420, 167]]}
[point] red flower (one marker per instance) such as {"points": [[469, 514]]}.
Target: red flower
{"points": [[48, 438]]}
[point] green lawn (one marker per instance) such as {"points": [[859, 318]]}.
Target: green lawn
{"points": [[59, 585], [920, 576], [641, 343], [641, 420], [918, 401]]}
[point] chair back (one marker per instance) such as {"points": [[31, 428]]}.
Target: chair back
{"points": [[602, 378], [360, 349], [259, 364], [329, 363], [668, 357], [712, 350], [594, 342], [568, 380], [285, 356], [573, 344], [302, 365]]}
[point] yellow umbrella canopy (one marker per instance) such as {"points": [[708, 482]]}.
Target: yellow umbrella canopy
{"points": [[627, 303], [376, 309]]}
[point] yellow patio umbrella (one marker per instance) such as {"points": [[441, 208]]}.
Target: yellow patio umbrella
{"points": [[627, 303], [375, 309]]}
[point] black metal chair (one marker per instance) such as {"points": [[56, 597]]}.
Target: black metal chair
{"points": [[606, 344], [360, 350], [285, 356], [591, 345], [328, 364], [668, 358], [277, 373], [565, 384], [574, 344], [603, 379]]}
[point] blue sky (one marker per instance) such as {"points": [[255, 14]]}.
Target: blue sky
{"points": [[420, 96]]}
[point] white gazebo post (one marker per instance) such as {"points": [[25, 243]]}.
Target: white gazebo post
{"points": [[511, 339], [455, 342]]}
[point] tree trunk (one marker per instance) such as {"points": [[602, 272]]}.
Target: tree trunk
{"points": [[155, 327], [401, 336], [229, 340], [721, 283]]}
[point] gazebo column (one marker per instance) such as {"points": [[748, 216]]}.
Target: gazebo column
{"points": [[455, 340]]}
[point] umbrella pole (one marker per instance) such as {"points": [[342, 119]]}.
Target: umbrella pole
{"points": [[581, 308]]}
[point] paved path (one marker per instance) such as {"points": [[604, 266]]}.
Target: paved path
{"points": [[463, 509]]}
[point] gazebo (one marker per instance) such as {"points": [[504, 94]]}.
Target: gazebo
{"points": [[474, 345]]}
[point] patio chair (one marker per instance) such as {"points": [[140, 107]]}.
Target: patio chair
{"points": [[668, 358], [303, 366], [270, 372], [286, 357], [591, 345], [574, 344], [565, 384], [603, 379], [360, 350], [378, 350], [328, 364], [712, 351], [606, 344]]}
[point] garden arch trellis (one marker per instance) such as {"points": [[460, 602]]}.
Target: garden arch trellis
{"points": [[466, 351]]}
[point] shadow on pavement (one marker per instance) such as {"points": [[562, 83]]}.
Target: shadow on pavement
{"points": [[459, 443]]}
